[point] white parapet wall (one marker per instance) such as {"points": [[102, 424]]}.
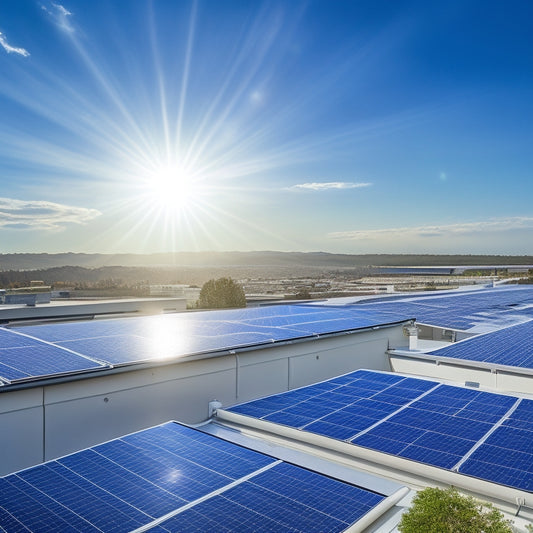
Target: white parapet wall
{"points": [[496, 377]]}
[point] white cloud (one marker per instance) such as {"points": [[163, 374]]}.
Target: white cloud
{"points": [[41, 215], [12, 49], [449, 230], [60, 15], [324, 186]]}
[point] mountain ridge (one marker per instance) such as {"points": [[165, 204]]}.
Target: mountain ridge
{"points": [[36, 261]]}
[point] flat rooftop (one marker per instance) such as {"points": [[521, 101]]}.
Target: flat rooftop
{"points": [[473, 310], [33, 353]]}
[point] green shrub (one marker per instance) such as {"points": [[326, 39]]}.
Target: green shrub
{"points": [[446, 511], [221, 293]]}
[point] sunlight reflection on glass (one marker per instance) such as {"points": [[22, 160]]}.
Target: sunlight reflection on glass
{"points": [[167, 337], [173, 476]]}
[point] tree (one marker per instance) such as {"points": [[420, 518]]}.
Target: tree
{"points": [[437, 510], [221, 293]]}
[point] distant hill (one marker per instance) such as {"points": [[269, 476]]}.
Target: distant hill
{"points": [[28, 261], [130, 270]]}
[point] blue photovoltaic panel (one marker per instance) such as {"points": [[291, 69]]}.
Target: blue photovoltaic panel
{"points": [[151, 339], [494, 308], [440, 425], [511, 346], [142, 339], [522, 416], [10, 339], [284, 498], [23, 358], [341, 407], [507, 454], [131, 482], [440, 428]]}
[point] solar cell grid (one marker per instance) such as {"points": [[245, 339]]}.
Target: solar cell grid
{"points": [[41, 360], [289, 419], [144, 339], [205, 517], [511, 346], [460, 310], [10, 339], [509, 459], [119, 341], [139, 479], [512, 439], [506, 456], [95, 505], [524, 412], [313, 409], [429, 456], [499, 474], [119, 481], [358, 401], [445, 426], [471, 414], [24, 508]]}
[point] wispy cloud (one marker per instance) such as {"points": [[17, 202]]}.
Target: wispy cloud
{"points": [[449, 230], [12, 49], [41, 215], [325, 186], [60, 15]]}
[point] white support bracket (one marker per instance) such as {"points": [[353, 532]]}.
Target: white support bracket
{"points": [[213, 406]]}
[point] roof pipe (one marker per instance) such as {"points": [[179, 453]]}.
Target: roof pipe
{"points": [[378, 511]]}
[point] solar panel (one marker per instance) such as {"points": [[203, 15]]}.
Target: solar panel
{"points": [[177, 479], [445, 426], [512, 346], [283, 498], [141, 339], [493, 308], [147, 339], [9, 339], [23, 358], [340, 407], [522, 416]]}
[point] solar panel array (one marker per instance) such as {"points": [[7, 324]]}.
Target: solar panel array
{"points": [[478, 433], [57, 349], [490, 308], [23, 358], [511, 346], [175, 478], [41, 350], [506, 456]]}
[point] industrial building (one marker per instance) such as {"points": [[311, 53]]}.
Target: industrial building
{"points": [[364, 400]]}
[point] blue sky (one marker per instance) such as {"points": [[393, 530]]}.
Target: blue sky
{"points": [[341, 126]]}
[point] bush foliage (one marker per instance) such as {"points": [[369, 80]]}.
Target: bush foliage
{"points": [[221, 293], [437, 510]]}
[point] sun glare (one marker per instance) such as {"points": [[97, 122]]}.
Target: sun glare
{"points": [[172, 189]]}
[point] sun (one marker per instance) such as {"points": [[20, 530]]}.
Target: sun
{"points": [[172, 189]]}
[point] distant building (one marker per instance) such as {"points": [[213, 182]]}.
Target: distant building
{"points": [[36, 293]]}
